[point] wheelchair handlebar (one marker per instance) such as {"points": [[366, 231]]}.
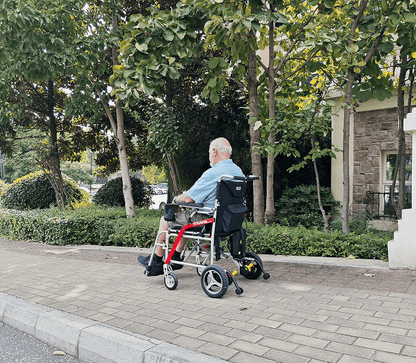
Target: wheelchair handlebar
{"points": [[239, 177], [252, 177], [244, 178]]}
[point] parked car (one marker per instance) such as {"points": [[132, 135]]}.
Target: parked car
{"points": [[161, 188]]}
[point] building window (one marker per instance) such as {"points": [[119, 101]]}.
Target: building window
{"points": [[388, 165]]}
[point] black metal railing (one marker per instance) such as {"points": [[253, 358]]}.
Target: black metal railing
{"points": [[379, 207]]}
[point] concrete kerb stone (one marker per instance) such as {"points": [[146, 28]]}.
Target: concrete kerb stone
{"points": [[101, 343], [61, 330], [22, 315], [89, 340], [3, 304], [168, 353]]}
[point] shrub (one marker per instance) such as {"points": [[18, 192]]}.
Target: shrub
{"points": [[109, 226], [34, 191], [3, 186], [111, 194], [300, 241], [86, 225], [358, 224], [299, 205]]}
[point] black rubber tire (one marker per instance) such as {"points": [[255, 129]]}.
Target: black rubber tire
{"points": [[171, 281], [255, 271], [214, 281]]}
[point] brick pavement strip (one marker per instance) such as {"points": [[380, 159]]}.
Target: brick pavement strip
{"points": [[283, 319]]}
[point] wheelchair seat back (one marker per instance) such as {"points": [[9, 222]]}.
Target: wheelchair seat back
{"points": [[230, 206]]}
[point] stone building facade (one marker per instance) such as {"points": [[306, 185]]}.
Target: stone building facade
{"points": [[375, 135]]}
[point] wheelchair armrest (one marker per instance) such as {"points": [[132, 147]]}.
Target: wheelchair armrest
{"points": [[190, 205], [198, 208]]}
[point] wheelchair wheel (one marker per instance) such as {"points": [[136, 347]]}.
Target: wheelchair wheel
{"points": [[171, 281], [214, 281], [250, 267]]}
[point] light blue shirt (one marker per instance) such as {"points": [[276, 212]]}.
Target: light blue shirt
{"points": [[203, 191]]}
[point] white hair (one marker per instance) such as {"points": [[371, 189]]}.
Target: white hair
{"points": [[222, 145]]}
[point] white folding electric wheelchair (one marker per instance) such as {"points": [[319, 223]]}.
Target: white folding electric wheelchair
{"points": [[223, 221]]}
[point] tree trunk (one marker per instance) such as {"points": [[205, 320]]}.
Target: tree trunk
{"points": [[325, 217], [345, 218], [117, 126], [257, 169], [124, 165], [174, 185], [174, 175], [50, 162], [400, 165], [270, 210], [346, 154]]}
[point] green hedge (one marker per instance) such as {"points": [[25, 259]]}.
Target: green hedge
{"points": [[90, 225], [111, 193], [3, 186], [109, 226], [34, 191], [300, 241]]}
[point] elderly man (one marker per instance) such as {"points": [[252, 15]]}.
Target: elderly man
{"points": [[203, 191]]}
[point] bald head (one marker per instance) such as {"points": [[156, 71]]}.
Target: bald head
{"points": [[222, 145], [219, 150]]}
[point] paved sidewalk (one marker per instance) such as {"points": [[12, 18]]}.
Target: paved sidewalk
{"points": [[310, 310]]}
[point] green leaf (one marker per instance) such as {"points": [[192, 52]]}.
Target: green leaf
{"points": [[213, 62], [314, 66], [223, 63], [214, 97], [381, 94], [364, 96], [174, 73], [385, 48], [410, 17], [146, 89], [329, 4], [181, 35], [168, 35], [257, 125], [212, 83], [141, 47], [126, 74], [205, 92]]}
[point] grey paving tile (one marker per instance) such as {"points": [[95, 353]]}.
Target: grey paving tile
{"points": [[320, 354], [379, 345], [283, 345], [297, 329], [308, 341], [255, 349], [278, 320], [392, 358], [243, 357], [285, 357], [351, 350], [218, 350]]}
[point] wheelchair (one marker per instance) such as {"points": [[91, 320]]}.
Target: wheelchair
{"points": [[222, 222]]}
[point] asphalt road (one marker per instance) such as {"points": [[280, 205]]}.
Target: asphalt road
{"points": [[16, 347]]}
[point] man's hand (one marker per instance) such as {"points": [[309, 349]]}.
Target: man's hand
{"points": [[182, 198]]}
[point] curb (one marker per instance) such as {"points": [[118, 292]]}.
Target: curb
{"points": [[311, 260], [89, 340]]}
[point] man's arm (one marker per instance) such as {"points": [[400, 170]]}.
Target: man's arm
{"points": [[183, 198]]}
